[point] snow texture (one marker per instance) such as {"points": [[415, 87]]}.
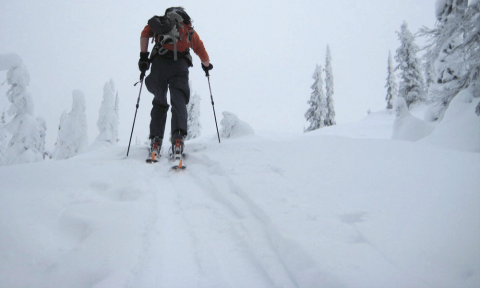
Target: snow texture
{"points": [[250, 212], [232, 127], [406, 126], [72, 135]]}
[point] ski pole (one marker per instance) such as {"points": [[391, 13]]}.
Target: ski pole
{"points": [[213, 104], [138, 104]]}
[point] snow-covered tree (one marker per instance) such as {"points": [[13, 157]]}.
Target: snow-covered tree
{"points": [[3, 137], [392, 88], [318, 103], [412, 86], [330, 117], [193, 122], [471, 46], [444, 57], [26, 137], [42, 132], [72, 134], [108, 122]]}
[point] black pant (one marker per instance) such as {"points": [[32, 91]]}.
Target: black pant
{"points": [[167, 74]]}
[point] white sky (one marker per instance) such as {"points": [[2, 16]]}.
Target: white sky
{"points": [[263, 52]]}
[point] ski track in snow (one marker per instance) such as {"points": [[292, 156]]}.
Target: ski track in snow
{"points": [[248, 213], [201, 217]]}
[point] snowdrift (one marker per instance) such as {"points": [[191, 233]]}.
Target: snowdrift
{"points": [[460, 127], [406, 126], [250, 212]]}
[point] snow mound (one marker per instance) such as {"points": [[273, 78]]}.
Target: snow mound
{"points": [[377, 125], [406, 126], [460, 127], [233, 127]]}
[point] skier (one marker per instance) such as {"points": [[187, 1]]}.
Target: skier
{"points": [[168, 73]]}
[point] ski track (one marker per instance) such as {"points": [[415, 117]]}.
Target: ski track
{"points": [[202, 230]]}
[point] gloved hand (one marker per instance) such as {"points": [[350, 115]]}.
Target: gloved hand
{"points": [[207, 68], [143, 63]]}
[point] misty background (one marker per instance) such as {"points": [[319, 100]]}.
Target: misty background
{"points": [[263, 52]]}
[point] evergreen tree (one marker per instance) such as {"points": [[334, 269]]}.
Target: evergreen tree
{"points": [[26, 138], [193, 121], [72, 134], [391, 85], [412, 86], [318, 104], [107, 121], [471, 46], [3, 138], [330, 117], [42, 131], [117, 110], [444, 56]]}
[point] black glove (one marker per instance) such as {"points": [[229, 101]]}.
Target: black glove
{"points": [[207, 68], [143, 63]]}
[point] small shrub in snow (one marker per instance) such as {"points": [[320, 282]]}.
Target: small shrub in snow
{"points": [[233, 127]]}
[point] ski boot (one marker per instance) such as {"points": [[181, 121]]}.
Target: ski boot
{"points": [[177, 149], [154, 151]]}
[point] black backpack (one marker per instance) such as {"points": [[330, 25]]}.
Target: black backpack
{"points": [[167, 28]]}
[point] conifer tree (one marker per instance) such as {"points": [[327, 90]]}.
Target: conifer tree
{"points": [[318, 104], [107, 121], [445, 56], [391, 85], [3, 137], [330, 117], [72, 135], [26, 140], [412, 86], [193, 121]]}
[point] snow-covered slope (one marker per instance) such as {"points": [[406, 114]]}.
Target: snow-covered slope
{"points": [[306, 210]]}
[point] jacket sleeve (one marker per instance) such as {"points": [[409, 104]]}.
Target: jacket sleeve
{"points": [[147, 32], [199, 48]]}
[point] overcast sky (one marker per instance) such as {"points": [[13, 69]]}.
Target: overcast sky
{"points": [[264, 54]]}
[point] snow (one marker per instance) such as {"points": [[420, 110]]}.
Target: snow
{"points": [[406, 126], [232, 126], [460, 127], [342, 206]]}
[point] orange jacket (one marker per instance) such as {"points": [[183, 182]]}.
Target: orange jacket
{"points": [[182, 45]]}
